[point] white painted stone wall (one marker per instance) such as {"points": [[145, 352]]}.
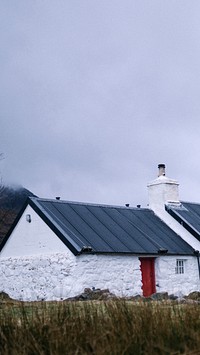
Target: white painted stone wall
{"points": [[119, 273], [58, 276], [168, 280]]}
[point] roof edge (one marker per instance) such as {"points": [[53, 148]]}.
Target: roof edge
{"points": [[183, 221], [88, 203], [33, 203]]}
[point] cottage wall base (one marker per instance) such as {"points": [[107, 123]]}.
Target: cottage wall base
{"points": [[58, 276], [62, 275], [168, 280]]}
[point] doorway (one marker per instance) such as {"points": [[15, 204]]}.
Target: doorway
{"points": [[148, 276]]}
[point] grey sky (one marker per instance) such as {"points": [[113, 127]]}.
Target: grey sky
{"points": [[95, 93]]}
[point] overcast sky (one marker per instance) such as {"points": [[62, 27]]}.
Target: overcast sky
{"points": [[94, 94]]}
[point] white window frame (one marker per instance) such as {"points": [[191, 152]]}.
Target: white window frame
{"points": [[180, 266]]}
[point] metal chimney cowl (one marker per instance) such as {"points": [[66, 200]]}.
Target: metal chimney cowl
{"points": [[161, 170]]}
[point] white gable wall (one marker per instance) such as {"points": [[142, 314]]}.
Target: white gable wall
{"points": [[32, 238]]}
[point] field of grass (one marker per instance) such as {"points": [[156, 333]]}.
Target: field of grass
{"points": [[99, 327]]}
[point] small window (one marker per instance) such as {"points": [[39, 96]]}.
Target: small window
{"points": [[180, 266]]}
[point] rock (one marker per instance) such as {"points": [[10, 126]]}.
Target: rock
{"points": [[4, 296], [137, 298], [179, 294], [173, 297], [194, 296], [159, 296], [95, 294]]}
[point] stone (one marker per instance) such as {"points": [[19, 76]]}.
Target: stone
{"points": [[194, 296], [159, 296], [4, 296], [173, 297]]}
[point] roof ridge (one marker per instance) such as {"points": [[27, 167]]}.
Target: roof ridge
{"points": [[88, 203]]}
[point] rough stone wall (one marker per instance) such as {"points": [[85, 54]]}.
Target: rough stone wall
{"points": [[58, 276], [120, 274], [62, 275], [168, 280]]}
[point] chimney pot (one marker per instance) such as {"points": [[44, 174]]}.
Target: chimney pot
{"points": [[161, 170]]}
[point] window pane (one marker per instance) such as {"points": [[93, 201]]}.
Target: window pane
{"points": [[180, 266]]}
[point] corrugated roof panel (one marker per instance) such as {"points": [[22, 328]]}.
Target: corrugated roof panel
{"points": [[135, 237], [69, 220], [103, 234], [188, 214], [109, 229], [162, 232], [157, 230], [193, 216], [57, 219]]}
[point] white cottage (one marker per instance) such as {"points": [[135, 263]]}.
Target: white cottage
{"points": [[57, 248]]}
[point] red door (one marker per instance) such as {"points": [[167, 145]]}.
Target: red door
{"points": [[148, 276]]}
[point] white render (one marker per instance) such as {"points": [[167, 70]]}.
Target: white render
{"points": [[32, 238], [168, 280], [58, 276], [162, 191]]}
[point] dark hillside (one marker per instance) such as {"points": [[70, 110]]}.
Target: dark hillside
{"points": [[11, 202]]}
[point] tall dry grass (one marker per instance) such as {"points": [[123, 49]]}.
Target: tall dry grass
{"points": [[112, 327]]}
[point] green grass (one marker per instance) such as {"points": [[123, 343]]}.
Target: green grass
{"points": [[99, 327]]}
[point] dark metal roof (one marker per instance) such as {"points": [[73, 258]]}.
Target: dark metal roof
{"points": [[109, 229], [188, 214]]}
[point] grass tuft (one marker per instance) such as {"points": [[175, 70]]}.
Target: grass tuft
{"points": [[99, 327]]}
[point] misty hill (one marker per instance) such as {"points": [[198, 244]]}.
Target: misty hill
{"points": [[11, 201]]}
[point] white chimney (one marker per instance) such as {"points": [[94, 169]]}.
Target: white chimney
{"points": [[162, 190]]}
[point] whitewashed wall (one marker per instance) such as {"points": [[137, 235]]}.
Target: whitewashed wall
{"points": [[57, 276], [168, 280], [33, 238]]}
